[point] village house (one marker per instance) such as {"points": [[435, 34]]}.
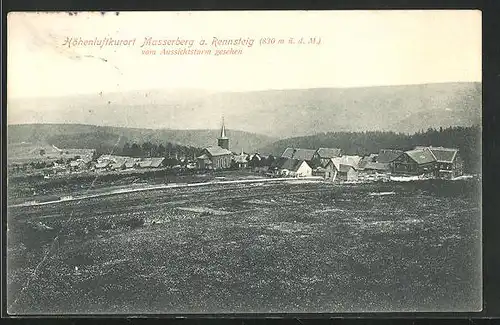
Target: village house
{"points": [[119, 165], [131, 163], [323, 155], [115, 162], [370, 168], [145, 163], [157, 162], [419, 161], [292, 167], [319, 171], [374, 167], [342, 169], [151, 162], [347, 160], [111, 162], [241, 160], [449, 164], [76, 165], [80, 163], [370, 159], [340, 172], [255, 160], [300, 154], [347, 173], [103, 165], [112, 158], [388, 156]]}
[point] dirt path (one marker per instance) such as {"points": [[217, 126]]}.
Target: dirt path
{"points": [[165, 186]]}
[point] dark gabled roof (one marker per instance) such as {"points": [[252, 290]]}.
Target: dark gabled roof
{"points": [[156, 162], [113, 159], [204, 156], [421, 156], [367, 159], [288, 153], [441, 154], [145, 163], [304, 154], [345, 168], [277, 162], [130, 163], [298, 153], [217, 151], [388, 155], [118, 164], [377, 166], [254, 156], [363, 162], [329, 152]]}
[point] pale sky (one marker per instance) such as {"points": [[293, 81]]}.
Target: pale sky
{"points": [[358, 48]]}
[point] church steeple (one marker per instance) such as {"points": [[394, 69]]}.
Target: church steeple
{"points": [[223, 140], [223, 130]]}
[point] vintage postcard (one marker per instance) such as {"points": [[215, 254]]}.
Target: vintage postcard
{"points": [[244, 162]]}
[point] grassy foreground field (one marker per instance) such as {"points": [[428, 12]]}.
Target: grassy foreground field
{"points": [[283, 247]]}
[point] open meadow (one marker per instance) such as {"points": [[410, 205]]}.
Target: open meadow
{"points": [[261, 247]]}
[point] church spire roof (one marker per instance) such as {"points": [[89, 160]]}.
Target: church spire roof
{"points": [[223, 130]]}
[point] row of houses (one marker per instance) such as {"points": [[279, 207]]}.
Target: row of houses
{"points": [[331, 164], [114, 162]]}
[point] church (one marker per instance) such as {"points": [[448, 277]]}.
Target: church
{"points": [[217, 157]]}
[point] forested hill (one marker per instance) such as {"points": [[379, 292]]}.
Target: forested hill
{"points": [[105, 138], [466, 139]]}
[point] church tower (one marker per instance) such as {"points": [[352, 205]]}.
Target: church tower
{"points": [[223, 140]]}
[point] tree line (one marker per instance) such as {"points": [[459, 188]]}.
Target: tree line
{"points": [[169, 150]]}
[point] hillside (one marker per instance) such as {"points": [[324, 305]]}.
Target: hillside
{"points": [[276, 113], [102, 137]]}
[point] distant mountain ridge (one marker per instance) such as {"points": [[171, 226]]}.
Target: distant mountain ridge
{"points": [[274, 113], [92, 136]]}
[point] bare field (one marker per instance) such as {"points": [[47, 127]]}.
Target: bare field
{"points": [[277, 247]]}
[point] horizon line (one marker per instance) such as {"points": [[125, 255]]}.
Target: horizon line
{"points": [[238, 130], [219, 91]]}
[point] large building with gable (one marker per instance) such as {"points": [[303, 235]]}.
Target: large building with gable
{"points": [[437, 161], [217, 157]]}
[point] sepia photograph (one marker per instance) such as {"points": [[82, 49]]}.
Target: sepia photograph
{"points": [[242, 162]]}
